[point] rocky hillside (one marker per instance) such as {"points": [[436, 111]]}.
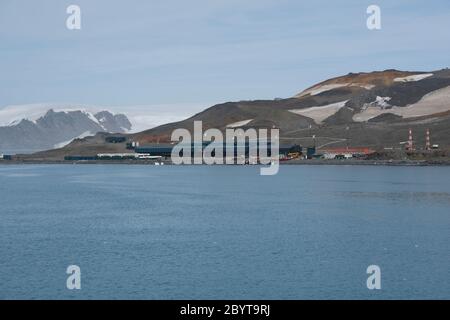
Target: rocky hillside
{"points": [[359, 109], [57, 129], [375, 109]]}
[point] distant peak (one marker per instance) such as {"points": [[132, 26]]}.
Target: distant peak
{"points": [[103, 112]]}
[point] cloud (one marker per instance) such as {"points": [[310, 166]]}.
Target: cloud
{"points": [[150, 116]]}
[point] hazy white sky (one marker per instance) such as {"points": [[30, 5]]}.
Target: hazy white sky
{"points": [[190, 54]]}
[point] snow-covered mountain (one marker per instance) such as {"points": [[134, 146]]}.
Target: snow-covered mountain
{"points": [[53, 129]]}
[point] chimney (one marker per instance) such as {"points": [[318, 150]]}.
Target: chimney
{"points": [[410, 141], [428, 144]]}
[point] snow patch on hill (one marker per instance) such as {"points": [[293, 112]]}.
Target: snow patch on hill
{"points": [[319, 114], [381, 102], [239, 123], [328, 87], [81, 136], [362, 85], [416, 77], [431, 103]]}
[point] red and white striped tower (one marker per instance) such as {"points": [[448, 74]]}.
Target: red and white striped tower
{"points": [[410, 141], [428, 144]]}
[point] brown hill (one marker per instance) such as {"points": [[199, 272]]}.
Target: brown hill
{"points": [[365, 109]]}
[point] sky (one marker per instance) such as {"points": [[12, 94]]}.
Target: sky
{"points": [[175, 58]]}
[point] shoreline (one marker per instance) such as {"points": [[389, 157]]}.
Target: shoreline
{"points": [[394, 163]]}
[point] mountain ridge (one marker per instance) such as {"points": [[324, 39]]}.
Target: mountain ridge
{"points": [[354, 95], [57, 128]]}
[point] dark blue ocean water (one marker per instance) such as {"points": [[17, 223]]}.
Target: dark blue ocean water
{"points": [[212, 232]]}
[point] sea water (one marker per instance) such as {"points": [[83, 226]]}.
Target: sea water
{"points": [[224, 232]]}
